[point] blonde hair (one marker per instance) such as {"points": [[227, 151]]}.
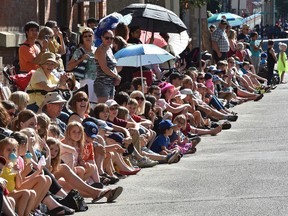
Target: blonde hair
{"points": [[20, 98], [240, 46], [28, 132], [45, 31], [54, 161], [231, 34], [140, 109], [282, 46], [122, 113], [68, 131], [7, 141]]}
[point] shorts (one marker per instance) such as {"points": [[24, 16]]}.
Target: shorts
{"points": [[104, 90]]}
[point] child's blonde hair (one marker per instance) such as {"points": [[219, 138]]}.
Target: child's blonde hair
{"points": [[68, 131], [54, 161], [20, 98], [282, 46], [28, 132], [180, 118], [122, 113], [240, 46], [6, 142]]}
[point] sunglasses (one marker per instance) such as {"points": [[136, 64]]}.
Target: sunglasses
{"points": [[86, 36], [200, 78], [139, 98], [109, 38], [82, 99], [232, 62]]}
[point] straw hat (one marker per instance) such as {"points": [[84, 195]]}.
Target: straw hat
{"points": [[48, 56], [87, 30]]}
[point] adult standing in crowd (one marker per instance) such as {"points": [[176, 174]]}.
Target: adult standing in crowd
{"points": [[29, 53], [244, 35], [107, 74], [54, 46], [85, 53], [220, 42]]}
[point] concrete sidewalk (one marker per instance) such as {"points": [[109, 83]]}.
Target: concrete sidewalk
{"points": [[241, 171]]}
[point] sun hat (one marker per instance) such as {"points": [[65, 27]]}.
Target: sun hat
{"points": [[48, 56], [165, 86], [90, 128], [166, 124], [87, 30], [179, 94], [53, 97]]}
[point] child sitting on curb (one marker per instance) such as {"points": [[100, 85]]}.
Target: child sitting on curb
{"points": [[162, 141]]}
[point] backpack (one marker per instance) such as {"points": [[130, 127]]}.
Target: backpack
{"points": [[75, 201]]}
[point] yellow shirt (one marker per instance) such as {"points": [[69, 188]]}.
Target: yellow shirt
{"points": [[37, 77], [10, 177]]}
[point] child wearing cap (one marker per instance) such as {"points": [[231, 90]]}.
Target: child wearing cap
{"points": [[162, 141]]}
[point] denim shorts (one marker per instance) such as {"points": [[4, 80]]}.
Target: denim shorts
{"points": [[104, 90]]}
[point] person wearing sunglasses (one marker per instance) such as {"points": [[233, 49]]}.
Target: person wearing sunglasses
{"points": [[84, 57], [107, 72], [80, 107]]}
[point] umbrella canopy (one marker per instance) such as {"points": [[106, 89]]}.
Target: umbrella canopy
{"points": [[110, 22], [177, 41], [154, 18], [142, 54], [233, 19]]}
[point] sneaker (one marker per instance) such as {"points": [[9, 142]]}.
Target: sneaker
{"points": [[146, 162], [172, 157], [232, 118]]}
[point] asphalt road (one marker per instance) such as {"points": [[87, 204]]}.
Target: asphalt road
{"points": [[241, 171]]}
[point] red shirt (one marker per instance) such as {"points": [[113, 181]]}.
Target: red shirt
{"points": [[136, 118], [119, 122]]}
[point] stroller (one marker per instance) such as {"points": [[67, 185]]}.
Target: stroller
{"points": [[263, 72]]}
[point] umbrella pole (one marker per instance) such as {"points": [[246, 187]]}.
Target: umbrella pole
{"points": [[141, 72]]}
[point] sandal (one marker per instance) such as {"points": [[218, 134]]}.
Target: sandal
{"points": [[114, 193], [101, 195], [57, 211]]}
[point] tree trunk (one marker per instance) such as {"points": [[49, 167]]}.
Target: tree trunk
{"points": [[206, 36]]}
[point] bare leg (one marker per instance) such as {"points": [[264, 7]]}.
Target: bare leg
{"points": [[72, 179], [7, 207]]}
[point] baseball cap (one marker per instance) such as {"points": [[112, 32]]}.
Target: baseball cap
{"points": [[111, 103], [212, 68], [91, 129], [186, 91], [116, 137], [103, 125], [216, 78], [166, 124]]}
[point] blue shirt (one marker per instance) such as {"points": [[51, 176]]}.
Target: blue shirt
{"points": [[255, 53], [160, 141]]}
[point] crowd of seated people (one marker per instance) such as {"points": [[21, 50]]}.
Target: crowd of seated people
{"points": [[90, 146]]}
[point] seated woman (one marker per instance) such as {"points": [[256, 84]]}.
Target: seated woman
{"points": [[70, 180], [80, 107], [43, 81]]}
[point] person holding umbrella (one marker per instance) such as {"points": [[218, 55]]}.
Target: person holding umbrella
{"points": [[107, 74]]}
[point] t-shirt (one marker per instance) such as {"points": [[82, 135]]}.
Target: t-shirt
{"points": [[119, 122], [37, 77], [88, 152], [27, 53], [160, 141], [10, 177], [90, 67], [254, 53], [136, 118]]}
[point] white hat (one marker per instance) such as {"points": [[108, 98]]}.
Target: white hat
{"points": [[111, 102], [186, 91]]}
